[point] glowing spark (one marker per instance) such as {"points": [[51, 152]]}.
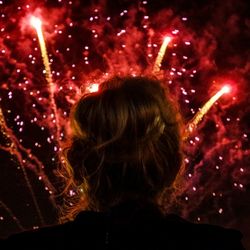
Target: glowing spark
{"points": [[161, 53], [37, 24], [93, 88], [192, 125]]}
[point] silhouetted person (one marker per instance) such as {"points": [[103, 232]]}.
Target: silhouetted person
{"points": [[125, 152]]}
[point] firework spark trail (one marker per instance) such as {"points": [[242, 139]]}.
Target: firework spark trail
{"points": [[37, 24], [192, 125], [14, 148], [8, 210], [161, 53]]}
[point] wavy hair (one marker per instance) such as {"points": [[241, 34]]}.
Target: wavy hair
{"points": [[125, 144]]}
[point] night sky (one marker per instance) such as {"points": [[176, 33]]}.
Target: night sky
{"points": [[89, 41]]}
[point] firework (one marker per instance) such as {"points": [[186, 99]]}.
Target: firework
{"points": [[14, 149], [192, 125], [18, 223], [89, 48], [37, 24], [161, 53]]}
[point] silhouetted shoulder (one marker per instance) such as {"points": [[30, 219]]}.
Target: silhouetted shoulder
{"points": [[128, 228], [65, 236], [202, 236]]}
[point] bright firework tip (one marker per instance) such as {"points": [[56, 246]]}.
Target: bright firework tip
{"points": [[226, 89], [167, 39], [35, 22]]}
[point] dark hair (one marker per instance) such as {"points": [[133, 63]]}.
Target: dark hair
{"points": [[125, 145]]}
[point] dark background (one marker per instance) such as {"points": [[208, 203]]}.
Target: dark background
{"points": [[217, 154]]}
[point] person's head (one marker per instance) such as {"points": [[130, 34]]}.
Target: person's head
{"points": [[125, 144]]}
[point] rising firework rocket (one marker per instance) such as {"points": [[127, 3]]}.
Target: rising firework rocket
{"points": [[37, 24], [192, 125], [161, 53]]}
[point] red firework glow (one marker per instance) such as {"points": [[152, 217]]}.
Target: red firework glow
{"points": [[45, 69]]}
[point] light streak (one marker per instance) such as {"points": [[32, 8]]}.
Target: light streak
{"points": [[13, 147], [8, 210], [192, 125], [37, 24], [161, 53]]}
